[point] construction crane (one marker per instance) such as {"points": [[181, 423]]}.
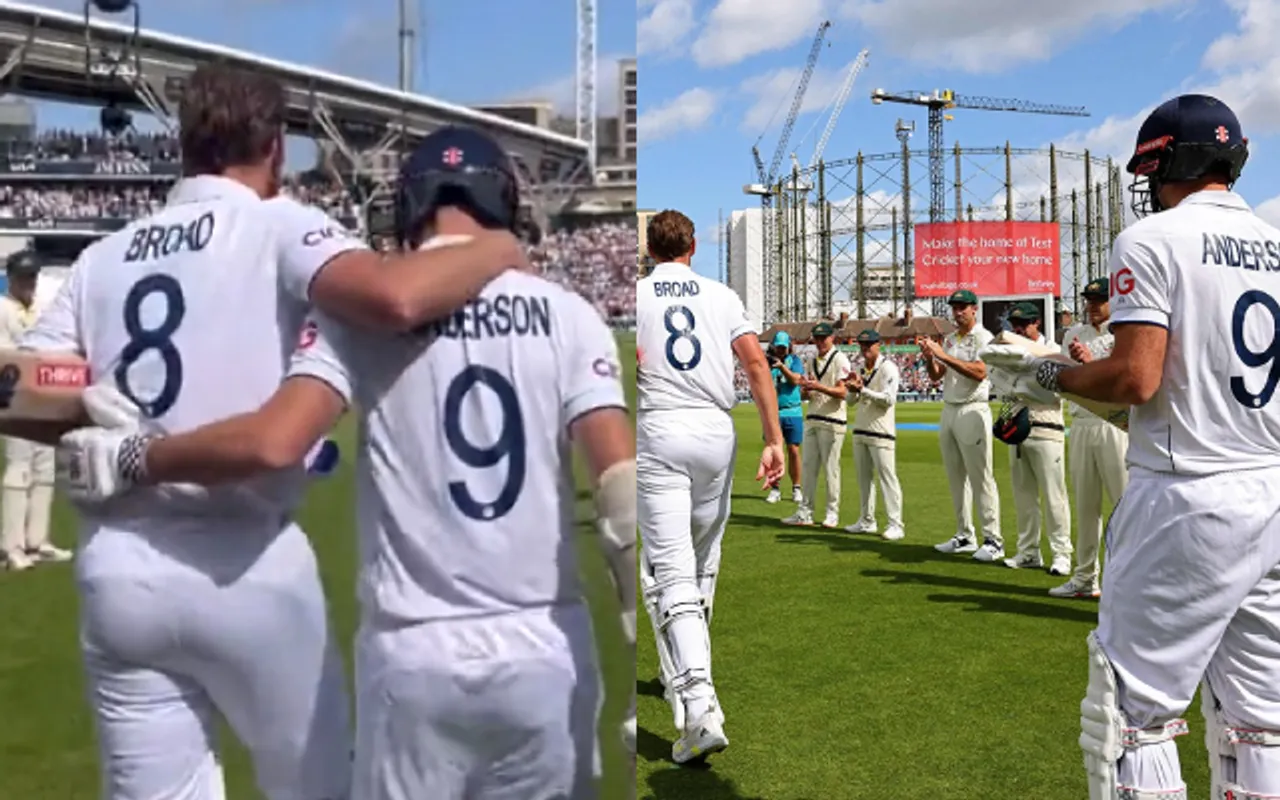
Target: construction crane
{"points": [[859, 64], [940, 101], [765, 188]]}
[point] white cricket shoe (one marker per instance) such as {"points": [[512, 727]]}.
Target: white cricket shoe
{"points": [[1076, 588], [775, 495], [1024, 562], [704, 737], [957, 544], [797, 496], [1061, 565], [893, 533], [831, 521], [801, 517], [18, 560], [989, 551], [862, 526], [48, 552]]}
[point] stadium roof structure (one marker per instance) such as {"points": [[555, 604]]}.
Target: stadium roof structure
{"points": [[55, 55]]}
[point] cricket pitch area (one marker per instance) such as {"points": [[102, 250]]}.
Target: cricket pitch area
{"points": [[47, 748], [850, 667]]}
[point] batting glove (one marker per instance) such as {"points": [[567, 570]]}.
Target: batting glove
{"points": [[109, 408], [1008, 357], [88, 463]]}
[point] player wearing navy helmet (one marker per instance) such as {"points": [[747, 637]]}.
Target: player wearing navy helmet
{"points": [[475, 662], [1189, 596]]}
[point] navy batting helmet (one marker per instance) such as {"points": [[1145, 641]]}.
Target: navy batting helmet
{"points": [[1013, 425], [22, 264], [458, 167], [1185, 139]]}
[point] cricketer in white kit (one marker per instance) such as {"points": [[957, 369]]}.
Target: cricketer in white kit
{"points": [[964, 433], [27, 500], [824, 427], [688, 329], [195, 602], [874, 394], [1037, 470], [1095, 450], [476, 669], [1191, 591]]}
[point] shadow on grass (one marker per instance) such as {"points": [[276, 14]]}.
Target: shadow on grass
{"points": [[896, 552], [693, 781], [1002, 598], [650, 688], [1012, 605]]}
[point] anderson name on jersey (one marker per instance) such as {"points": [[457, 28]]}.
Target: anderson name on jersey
{"points": [[465, 486], [194, 312], [685, 328], [1204, 270]]}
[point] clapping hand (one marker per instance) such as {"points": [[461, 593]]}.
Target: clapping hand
{"points": [[1080, 352]]}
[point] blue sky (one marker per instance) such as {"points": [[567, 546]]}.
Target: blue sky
{"points": [[713, 71], [469, 52]]}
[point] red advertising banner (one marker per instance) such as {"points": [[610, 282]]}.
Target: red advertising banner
{"points": [[987, 258]]}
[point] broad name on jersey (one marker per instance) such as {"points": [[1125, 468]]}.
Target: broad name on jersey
{"points": [[676, 288], [1254, 254], [157, 241], [489, 317]]}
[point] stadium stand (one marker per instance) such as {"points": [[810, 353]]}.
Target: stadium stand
{"points": [[56, 179]]}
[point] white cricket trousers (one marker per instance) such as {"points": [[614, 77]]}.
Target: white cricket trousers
{"points": [[964, 436], [502, 707], [211, 619], [26, 503], [820, 453], [684, 480], [878, 463], [1039, 474], [1192, 591], [1096, 451]]}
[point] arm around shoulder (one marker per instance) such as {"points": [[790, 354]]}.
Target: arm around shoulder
{"points": [[400, 292]]}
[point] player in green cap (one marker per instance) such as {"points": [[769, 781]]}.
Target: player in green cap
{"points": [[965, 431], [1096, 448], [1037, 469], [824, 427]]}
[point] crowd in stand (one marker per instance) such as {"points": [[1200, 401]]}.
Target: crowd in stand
{"points": [[66, 145], [597, 262]]}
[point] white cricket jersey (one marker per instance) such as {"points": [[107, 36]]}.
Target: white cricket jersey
{"points": [[956, 388], [1208, 270], [194, 313], [1100, 341], [686, 324], [465, 487], [874, 420]]}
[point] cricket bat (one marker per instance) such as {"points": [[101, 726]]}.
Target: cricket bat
{"points": [[1117, 415], [41, 387]]}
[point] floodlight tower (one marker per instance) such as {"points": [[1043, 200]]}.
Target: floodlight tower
{"points": [[586, 105]]}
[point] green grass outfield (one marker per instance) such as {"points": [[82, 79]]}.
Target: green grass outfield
{"points": [[850, 667], [47, 750]]}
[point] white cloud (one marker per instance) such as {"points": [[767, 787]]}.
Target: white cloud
{"points": [[664, 28], [1254, 42], [986, 36], [562, 91], [690, 111], [1269, 210], [773, 91], [739, 29]]}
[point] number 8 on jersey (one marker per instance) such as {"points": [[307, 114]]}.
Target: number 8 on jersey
{"points": [[156, 339]]}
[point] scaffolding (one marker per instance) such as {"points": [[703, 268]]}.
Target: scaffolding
{"points": [[845, 228]]}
